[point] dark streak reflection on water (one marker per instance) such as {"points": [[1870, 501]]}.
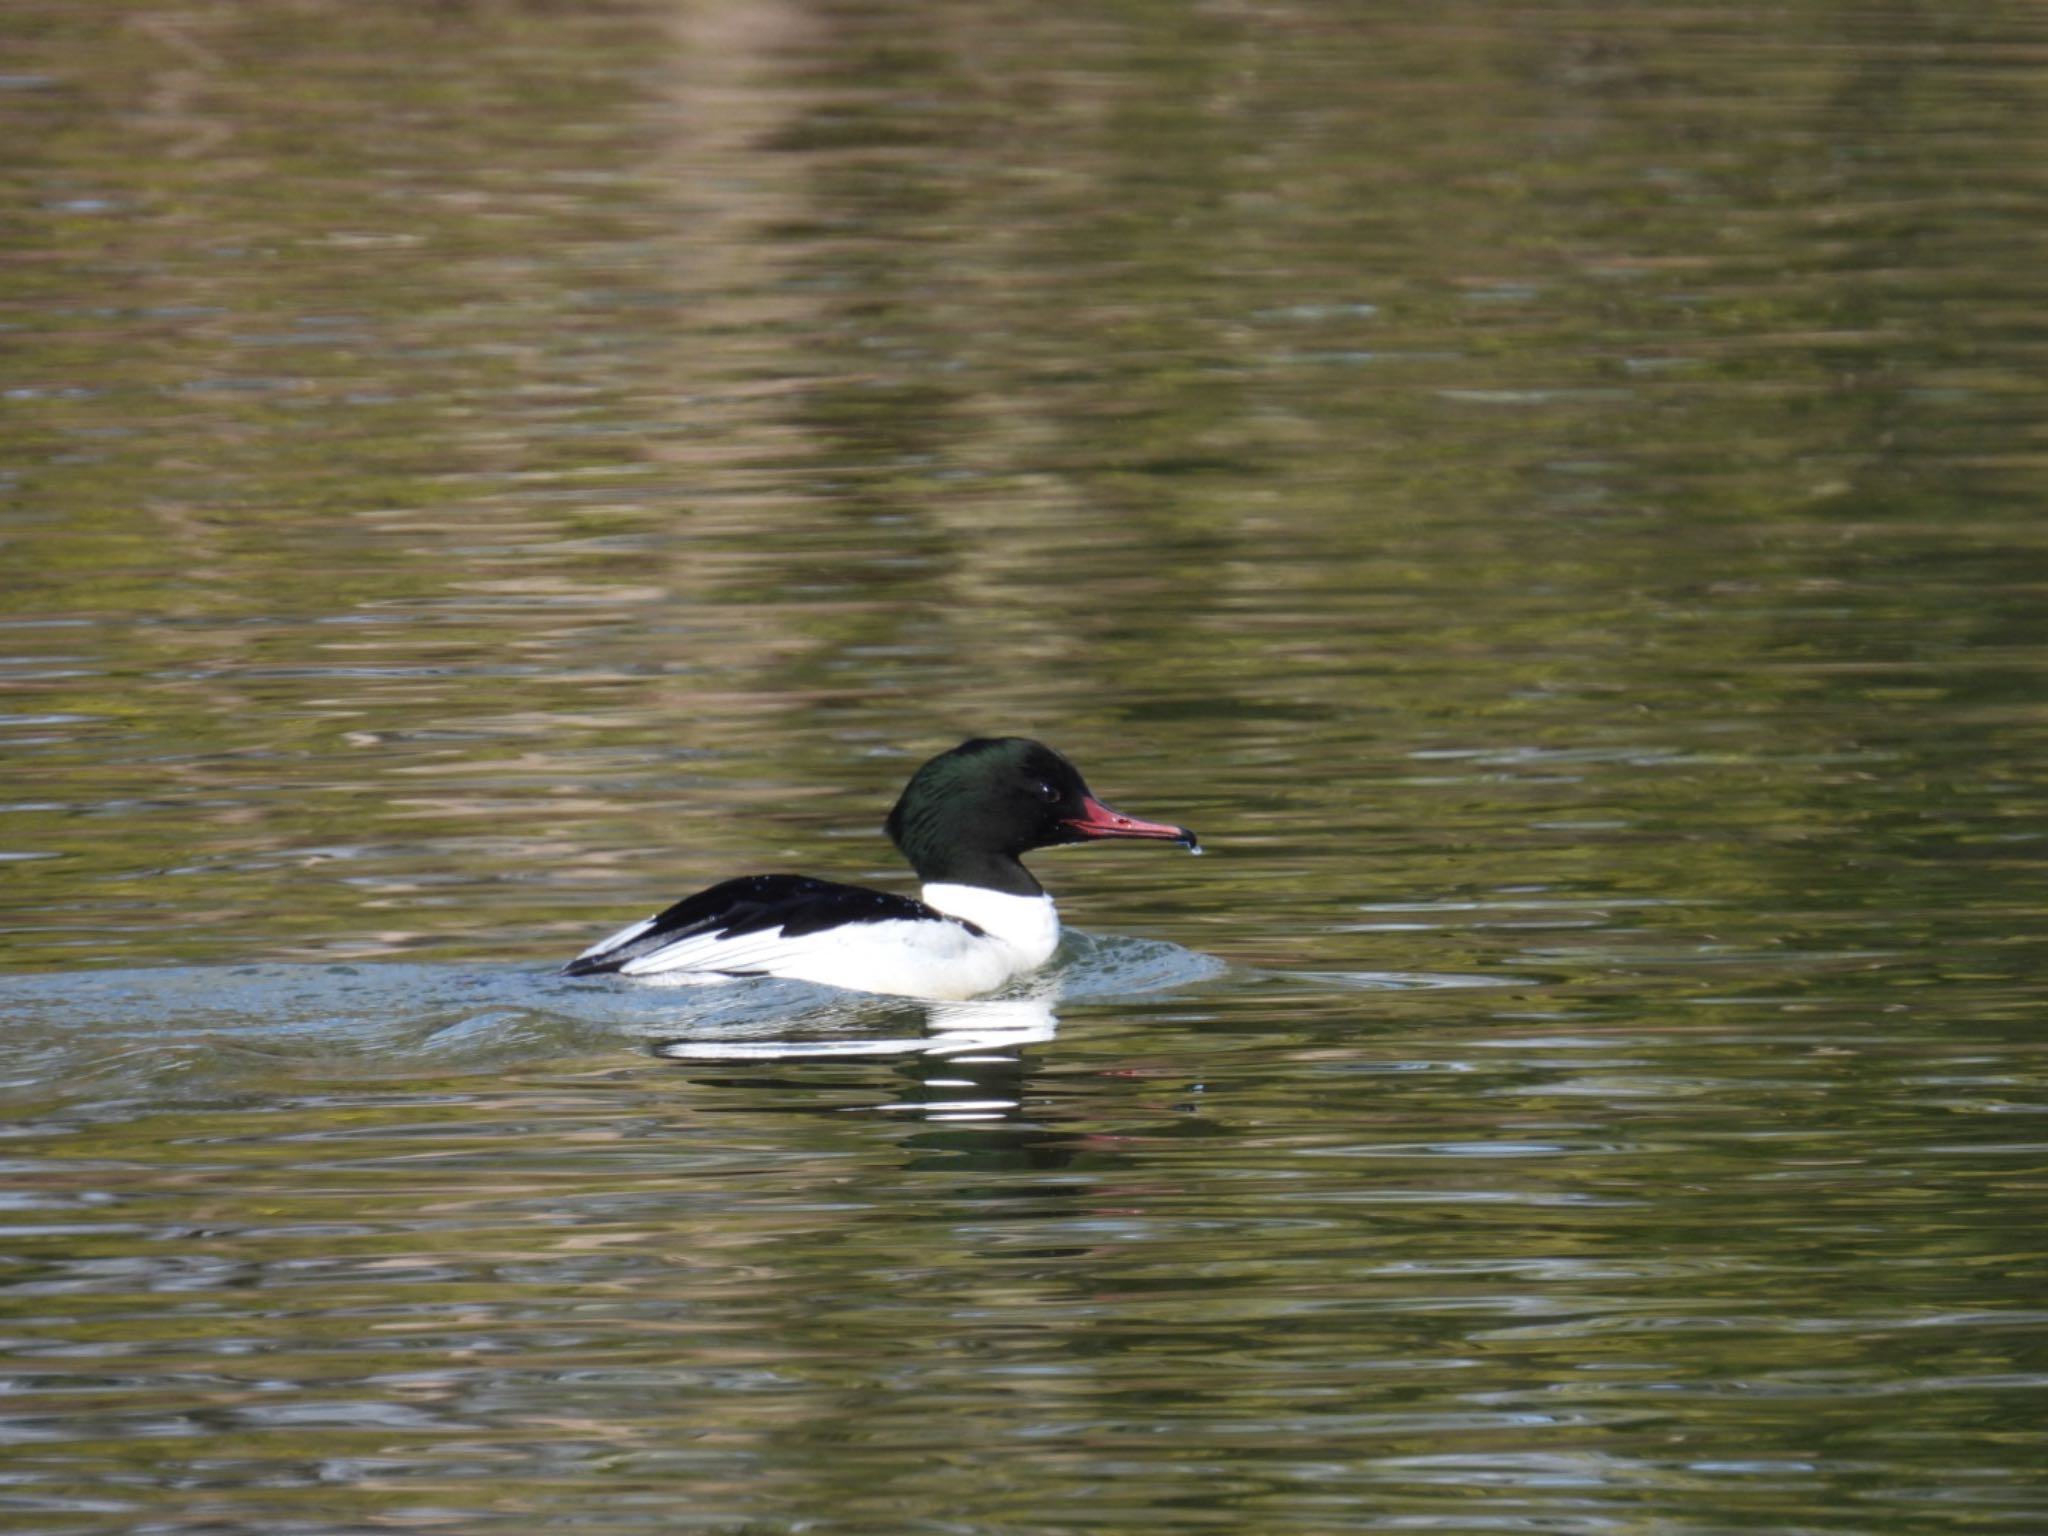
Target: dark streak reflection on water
{"points": [[466, 1238], [1377, 1247]]}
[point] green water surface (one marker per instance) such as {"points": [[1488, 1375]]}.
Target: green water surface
{"points": [[1554, 495]]}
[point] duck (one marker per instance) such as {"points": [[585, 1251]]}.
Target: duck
{"points": [[980, 921]]}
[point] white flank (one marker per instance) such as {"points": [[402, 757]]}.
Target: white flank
{"points": [[905, 957]]}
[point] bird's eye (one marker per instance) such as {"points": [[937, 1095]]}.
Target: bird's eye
{"points": [[1048, 794]]}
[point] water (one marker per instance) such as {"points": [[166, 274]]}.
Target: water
{"points": [[1553, 495]]}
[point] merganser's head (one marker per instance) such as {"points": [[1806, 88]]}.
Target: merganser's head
{"points": [[969, 814]]}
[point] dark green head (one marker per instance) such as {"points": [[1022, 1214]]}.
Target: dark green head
{"points": [[968, 815]]}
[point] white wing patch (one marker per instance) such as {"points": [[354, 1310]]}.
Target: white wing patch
{"points": [[623, 937]]}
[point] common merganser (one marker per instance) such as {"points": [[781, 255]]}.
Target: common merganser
{"points": [[962, 822]]}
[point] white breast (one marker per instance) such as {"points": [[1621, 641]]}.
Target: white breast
{"points": [[1027, 925]]}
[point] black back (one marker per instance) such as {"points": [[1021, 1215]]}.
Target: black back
{"points": [[795, 904]]}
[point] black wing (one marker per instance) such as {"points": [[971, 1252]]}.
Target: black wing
{"points": [[794, 905]]}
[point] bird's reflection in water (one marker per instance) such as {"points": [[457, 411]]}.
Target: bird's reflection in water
{"points": [[968, 1065], [961, 1063], [966, 1082], [951, 1030]]}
